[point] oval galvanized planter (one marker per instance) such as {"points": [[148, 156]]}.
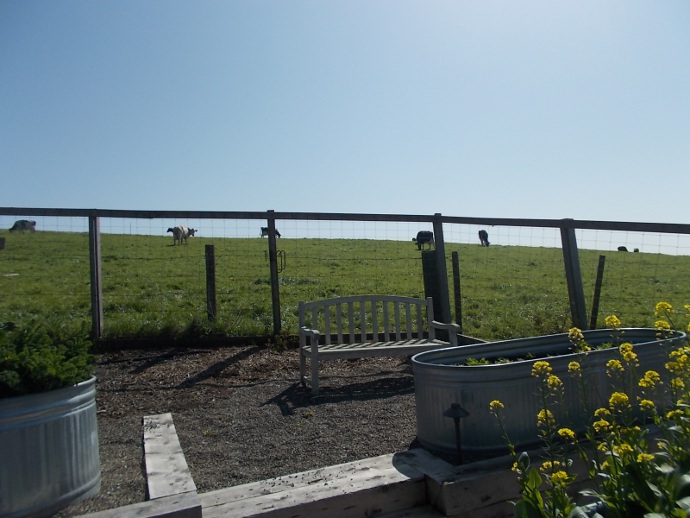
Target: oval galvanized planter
{"points": [[441, 379], [48, 450]]}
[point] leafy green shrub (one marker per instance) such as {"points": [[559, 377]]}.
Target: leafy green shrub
{"points": [[38, 359]]}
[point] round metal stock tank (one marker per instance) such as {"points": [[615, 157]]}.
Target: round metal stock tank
{"points": [[441, 378], [48, 450]]}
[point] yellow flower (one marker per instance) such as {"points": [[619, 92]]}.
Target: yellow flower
{"points": [[650, 379], [614, 366], [574, 367], [545, 416], [677, 383], [602, 412], [559, 478], [549, 466], [673, 414], [622, 449], [612, 321], [601, 426], [630, 357], [554, 382], [514, 467], [618, 399], [625, 347], [662, 325], [566, 433], [662, 308], [541, 368], [496, 405], [645, 457], [673, 367], [575, 333], [647, 405]]}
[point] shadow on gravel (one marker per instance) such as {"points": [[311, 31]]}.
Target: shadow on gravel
{"points": [[297, 396], [214, 370]]}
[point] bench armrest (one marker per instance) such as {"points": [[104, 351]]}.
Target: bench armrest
{"points": [[453, 330], [313, 336]]}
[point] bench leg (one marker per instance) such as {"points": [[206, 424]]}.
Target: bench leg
{"points": [[315, 375], [302, 367]]}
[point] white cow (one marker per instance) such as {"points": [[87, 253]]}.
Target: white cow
{"points": [[181, 233], [264, 232]]}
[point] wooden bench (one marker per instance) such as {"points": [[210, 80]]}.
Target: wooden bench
{"points": [[366, 326]]}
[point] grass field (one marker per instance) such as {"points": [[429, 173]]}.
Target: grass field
{"points": [[153, 289]]}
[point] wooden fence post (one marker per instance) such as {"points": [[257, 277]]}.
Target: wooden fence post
{"points": [[441, 313], [456, 288], [597, 293], [273, 265], [96, 286], [573, 275]]}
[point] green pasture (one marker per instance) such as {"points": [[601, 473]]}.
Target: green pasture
{"points": [[154, 289]]}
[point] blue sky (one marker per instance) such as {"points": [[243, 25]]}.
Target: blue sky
{"points": [[530, 109]]}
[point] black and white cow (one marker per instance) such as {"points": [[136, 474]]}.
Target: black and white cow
{"points": [[264, 232], [23, 225], [424, 237], [484, 238], [181, 233]]}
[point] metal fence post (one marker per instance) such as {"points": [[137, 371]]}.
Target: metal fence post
{"points": [[211, 307]]}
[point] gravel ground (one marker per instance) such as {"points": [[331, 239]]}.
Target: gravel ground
{"points": [[241, 416]]}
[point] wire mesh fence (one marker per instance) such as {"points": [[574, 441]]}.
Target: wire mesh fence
{"points": [[150, 286]]}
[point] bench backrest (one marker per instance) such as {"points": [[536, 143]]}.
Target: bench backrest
{"points": [[367, 318]]}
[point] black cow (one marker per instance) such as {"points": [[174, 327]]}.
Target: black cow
{"points": [[23, 224], [424, 237], [484, 238], [264, 232], [622, 249]]}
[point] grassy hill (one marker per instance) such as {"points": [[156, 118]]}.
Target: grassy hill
{"points": [[153, 289]]}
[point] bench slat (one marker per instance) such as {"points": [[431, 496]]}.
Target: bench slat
{"points": [[327, 322]]}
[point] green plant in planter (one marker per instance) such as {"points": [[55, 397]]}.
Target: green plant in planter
{"points": [[39, 358], [635, 473]]}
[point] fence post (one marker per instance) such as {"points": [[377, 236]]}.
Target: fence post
{"points": [[96, 286], [456, 288], [442, 309], [573, 275], [273, 265], [211, 282], [597, 292]]}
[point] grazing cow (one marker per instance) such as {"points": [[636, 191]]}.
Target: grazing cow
{"points": [[424, 237], [636, 250], [622, 249], [484, 238], [24, 224], [181, 233], [264, 232]]}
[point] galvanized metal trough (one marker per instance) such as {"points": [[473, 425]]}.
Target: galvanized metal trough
{"points": [[443, 380], [48, 450]]}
